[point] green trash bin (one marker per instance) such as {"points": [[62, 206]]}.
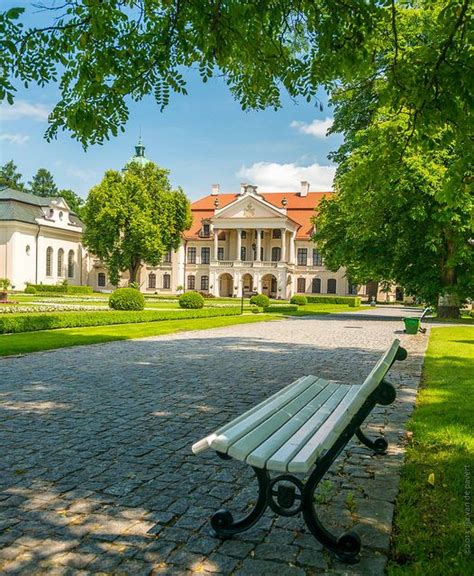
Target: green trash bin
{"points": [[412, 325]]}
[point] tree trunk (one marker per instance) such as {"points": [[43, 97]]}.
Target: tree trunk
{"points": [[134, 273], [448, 306]]}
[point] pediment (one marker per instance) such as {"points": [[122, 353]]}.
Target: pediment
{"points": [[250, 206]]}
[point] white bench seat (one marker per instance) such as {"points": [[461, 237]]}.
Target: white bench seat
{"points": [[290, 430]]}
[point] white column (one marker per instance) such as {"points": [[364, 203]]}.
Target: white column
{"points": [[239, 243], [216, 244], [259, 244], [292, 247], [283, 245]]}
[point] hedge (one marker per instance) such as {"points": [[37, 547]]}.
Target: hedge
{"points": [[64, 289], [352, 301], [299, 300], [15, 323], [191, 300], [281, 308]]}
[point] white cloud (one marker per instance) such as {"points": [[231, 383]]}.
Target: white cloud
{"points": [[14, 138], [274, 177], [24, 109], [317, 128], [86, 175]]}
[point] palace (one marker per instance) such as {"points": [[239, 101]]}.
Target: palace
{"points": [[239, 243]]}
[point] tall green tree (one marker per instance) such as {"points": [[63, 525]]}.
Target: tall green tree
{"points": [[74, 201], [42, 184], [9, 177], [133, 218], [106, 53], [390, 218]]}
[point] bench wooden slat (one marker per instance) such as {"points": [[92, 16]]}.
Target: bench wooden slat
{"points": [[274, 452], [273, 426], [227, 435], [324, 436]]}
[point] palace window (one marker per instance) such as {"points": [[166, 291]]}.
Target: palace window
{"points": [[191, 282], [301, 285], [205, 283], [302, 257], [332, 284], [243, 253], [276, 254], [261, 252], [152, 280], [168, 257], [243, 234], [101, 279], [205, 255], [353, 288], [206, 229], [167, 281], [49, 261], [220, 253], [192, 255], [316, 286], [60, 262], [317, 258], [276, 233], [70, 264]]}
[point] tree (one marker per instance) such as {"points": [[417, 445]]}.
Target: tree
{"points": [[42, 184], [75, 202], [10, 178], [134, 218], [420, 47], [389, 219]]}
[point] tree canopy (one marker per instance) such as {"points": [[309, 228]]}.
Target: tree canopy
{"points": [[42, 184], [9, 177], [104, 53], [134, 218]]}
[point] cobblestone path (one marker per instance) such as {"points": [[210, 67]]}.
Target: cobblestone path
{"points": [[97, 474]]}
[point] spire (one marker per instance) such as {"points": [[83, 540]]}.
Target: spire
{"points": [[139, 156], [139, 148]]}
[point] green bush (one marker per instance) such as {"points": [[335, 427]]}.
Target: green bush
{"points": [[281, 308], [254, 309], [191, 299], [299, 300], [14, 323], [126, 299], [30, 289], [352, 301], [260, 300], [61, 288]]}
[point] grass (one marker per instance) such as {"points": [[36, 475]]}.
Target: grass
{"points": [[11, 344], [318, 309], [432, 527]]}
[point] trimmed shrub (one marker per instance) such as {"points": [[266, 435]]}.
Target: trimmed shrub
{"points": [[352, 301], [281, 308], [260, 300], [191, 299], [63, 288], [299, 300], [254, 309], [126, 299], [30, 289], [79, 289], [15, 323]]}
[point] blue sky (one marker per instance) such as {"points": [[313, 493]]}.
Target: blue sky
{"points": [[202, 138]]}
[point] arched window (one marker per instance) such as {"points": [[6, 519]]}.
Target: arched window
{"points": [[152, 280], [60, 262], [70, 264], [276, 254], [167, 281], [49, 261], [332, 284], [205, 283], [316, 286], [191, 282], [301, 285], [101, 279], [276, 233]]}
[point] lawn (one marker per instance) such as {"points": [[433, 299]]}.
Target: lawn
{"points": [[50, 339], [318, 309], [433, 515]]}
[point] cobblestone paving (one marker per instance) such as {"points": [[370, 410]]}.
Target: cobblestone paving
{"points": [[96, 471]]}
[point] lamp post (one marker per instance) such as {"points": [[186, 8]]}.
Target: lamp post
{"points": [[242, 296]]}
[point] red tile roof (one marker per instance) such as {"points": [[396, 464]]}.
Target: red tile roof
{"points": [[299, 208]]}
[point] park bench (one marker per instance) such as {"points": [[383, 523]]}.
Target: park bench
{"points": [[301, 430]]}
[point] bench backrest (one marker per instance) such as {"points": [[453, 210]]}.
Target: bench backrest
{"points": [[378, 372]]}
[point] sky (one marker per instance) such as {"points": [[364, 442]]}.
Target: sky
{"points": [[203, 138]]}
